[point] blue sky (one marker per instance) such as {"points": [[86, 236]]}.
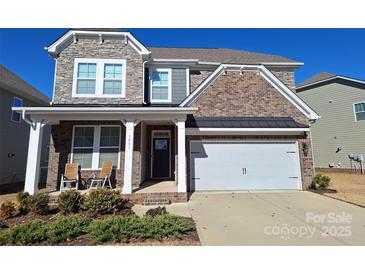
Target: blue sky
{"points": [[340, 51]]}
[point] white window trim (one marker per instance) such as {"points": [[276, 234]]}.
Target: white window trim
{"points": [[353, 105], [99, 83], [11, 117], [169, 94], [96, 145]]}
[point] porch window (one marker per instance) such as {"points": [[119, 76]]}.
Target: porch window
{"points": [[99, 77], [83, 146], [92, 145], [359, 111], [109, 145], [160, 90]]}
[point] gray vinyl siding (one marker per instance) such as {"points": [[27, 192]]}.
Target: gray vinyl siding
{"points": [[337, 126], [178, 86], [14, 138]]}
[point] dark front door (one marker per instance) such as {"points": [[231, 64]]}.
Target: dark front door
{"points": [[161, 158]]}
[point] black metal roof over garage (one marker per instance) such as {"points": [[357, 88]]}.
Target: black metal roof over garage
{"points": [[243, 122]]}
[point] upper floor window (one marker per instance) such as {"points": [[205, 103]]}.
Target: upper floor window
{"points": [[160, 85], [359, 111], [99, 78], [15, 116]]}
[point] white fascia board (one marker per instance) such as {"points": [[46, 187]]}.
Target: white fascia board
{"points": [[332, 78], [101, 110], [52, 49], [245, 131], [266, 74]]}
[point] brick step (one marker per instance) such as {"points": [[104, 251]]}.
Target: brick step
{"points": [[156, 201]]}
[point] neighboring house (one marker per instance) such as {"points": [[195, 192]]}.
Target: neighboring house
{"points": [[205, 119], [14, 132], [340, 101]]}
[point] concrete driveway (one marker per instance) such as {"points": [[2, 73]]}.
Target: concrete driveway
{"points": [[274, 218]]}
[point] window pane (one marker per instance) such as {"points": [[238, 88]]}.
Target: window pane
{"points": [[17, 102], [109, 136], [108, 154], [83, 156], [113, 71], [160, 78], [85, 86], [112, 87], [86, 70], [84, 137], [360, 107], [360, 116], [15, 116], [159, 93]]}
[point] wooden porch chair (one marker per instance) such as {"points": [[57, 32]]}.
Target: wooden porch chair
{"points": [[71, 176], [104, 177]]}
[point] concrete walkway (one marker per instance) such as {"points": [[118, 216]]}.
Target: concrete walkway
{"points": [[273, 218]]}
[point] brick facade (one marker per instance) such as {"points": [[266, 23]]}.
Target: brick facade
{"points": [[60, 153], [248, 95], [285, 76], [91, 48]]}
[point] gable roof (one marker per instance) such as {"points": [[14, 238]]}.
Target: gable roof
{"points": [[324, 77], [11, 81], [262, 71], [219, 55]]}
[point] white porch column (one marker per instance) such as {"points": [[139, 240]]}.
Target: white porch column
{"points": [[34, 158], [128, 156], [181, 162]]}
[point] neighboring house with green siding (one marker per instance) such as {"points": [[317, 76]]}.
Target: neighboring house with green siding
{"points": [[340, 101]]}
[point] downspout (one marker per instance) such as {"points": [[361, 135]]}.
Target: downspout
{"points": [[29, 122], [143, 81]]}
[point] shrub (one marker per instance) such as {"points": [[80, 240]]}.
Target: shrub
{"points": [[39, 204], [123, 229], [66, 228], [7, 210], [103, 201], [70, 201], [156, 211], [24, 234], [321, 181], [23, 202]]}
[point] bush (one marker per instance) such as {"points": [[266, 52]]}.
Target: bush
{"points": [[123, 229], [23, 202], [321, 181], [38, 204], [67, 228], [24, 234], [70, 201], [7, 210], [156, 211], [103, 201]]}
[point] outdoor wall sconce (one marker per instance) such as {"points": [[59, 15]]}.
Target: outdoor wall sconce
{"points": [[305, 149]]}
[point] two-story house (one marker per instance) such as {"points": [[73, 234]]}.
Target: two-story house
{"points": [[199, 118], [14, 132], [340, 133]]}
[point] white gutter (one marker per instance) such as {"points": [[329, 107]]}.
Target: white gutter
{"points": [[245, 131]]}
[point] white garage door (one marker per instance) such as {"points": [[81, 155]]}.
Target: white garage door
{"points": [[244, 166]]}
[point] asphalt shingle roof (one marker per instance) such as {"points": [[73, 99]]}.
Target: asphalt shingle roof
{"points": [[316, 78], [12, 81], [217, 55]]}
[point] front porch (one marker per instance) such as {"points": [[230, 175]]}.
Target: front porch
{"points": [[150, 160]]}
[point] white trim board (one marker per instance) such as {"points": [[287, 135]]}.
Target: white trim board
{"points": [[266, 74], [54, 49]]}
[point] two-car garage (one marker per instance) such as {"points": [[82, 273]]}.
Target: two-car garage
{"points": [[237, 165]]}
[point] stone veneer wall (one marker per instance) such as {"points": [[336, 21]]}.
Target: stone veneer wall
{"points": [[306, 162], [60, 153], [286, 76], [197, 79], [90, 48]]}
